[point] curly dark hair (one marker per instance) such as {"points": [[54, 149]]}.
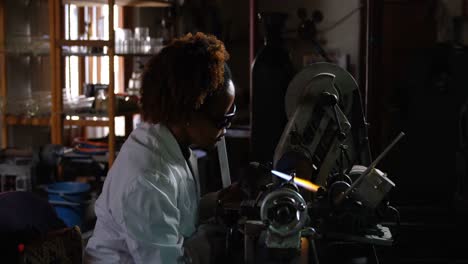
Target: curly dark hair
{"points": [[177, 80]]}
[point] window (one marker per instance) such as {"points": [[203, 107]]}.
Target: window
{"points": [[92, 23]]}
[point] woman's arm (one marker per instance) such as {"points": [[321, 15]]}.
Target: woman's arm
{"points": [[151, 220]]}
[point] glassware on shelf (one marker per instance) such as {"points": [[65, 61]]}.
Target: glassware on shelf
{"points": [[83, 49], [31, 107], [85, 36], [100, 105], [141, 32], [137, 42], [43, 99], [27, 45], [123, 41], [119, 37], [71, 50], [142, 40], [76, 104], [134, 84], [37, 103]]}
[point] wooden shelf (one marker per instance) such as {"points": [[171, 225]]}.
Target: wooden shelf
{"points": [[81, 122], [87, 119], [25, 53], [79, 54], [25, 121], [104, 55], [135, 3], [135, 54], [85, 43]]}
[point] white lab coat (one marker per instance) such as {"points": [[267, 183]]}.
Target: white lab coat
{"points": [[148, 204]]}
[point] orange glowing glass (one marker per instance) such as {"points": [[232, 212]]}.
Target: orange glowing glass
{"points": [[300, 182]]}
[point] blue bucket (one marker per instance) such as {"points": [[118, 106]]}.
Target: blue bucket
{"points": [[69, 200]]}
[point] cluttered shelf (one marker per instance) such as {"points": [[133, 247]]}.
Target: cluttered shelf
{"points": [[25, 45], [81, 110], [125, 45], [71, 120], [91, 119], [25, 120]]}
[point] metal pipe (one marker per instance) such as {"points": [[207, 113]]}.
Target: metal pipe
{"points": [[371, 166]]}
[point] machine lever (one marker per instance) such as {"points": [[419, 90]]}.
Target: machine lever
{"points": [[371, 166]]}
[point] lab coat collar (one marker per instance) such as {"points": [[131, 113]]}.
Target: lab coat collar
{"points": [[167, 139]]}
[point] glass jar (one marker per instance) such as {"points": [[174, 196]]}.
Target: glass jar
{"points": [[100, 103], [31, 107]]}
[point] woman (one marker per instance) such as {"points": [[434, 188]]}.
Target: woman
{"points": [[148, 206]]}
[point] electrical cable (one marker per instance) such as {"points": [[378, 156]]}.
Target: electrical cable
{"points": [[375, 255], [398, 220]]}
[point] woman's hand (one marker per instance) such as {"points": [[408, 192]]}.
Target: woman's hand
{"points": [[230, 196]]}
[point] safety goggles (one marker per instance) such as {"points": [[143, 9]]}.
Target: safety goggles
{"points": [[225, 121]]}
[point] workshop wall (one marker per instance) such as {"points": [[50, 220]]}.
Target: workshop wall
{"points": [[236, 38], [414, 94], [343, 37], [452, 9]]}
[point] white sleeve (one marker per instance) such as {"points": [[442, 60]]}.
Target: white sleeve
{"points": [[151, 220]]}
